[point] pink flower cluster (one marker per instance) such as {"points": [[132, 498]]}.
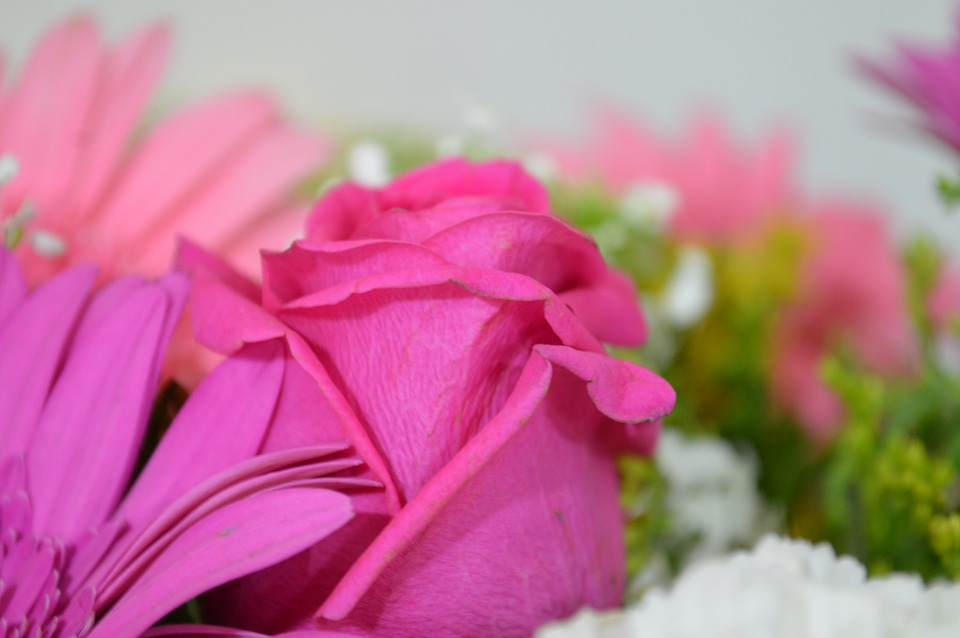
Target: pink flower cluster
{"points": [[851, 286]]}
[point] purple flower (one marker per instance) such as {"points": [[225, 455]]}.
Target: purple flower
{"points": [[82, 551], [929, 78]]}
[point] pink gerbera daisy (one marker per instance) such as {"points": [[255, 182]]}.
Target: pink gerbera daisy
{"points": [[219, 172]]}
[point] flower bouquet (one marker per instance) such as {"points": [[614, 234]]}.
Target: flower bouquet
{"points": [[261, 381]]}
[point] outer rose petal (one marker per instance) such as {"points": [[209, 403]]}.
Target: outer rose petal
{"points": [[525, 502], [531, 500]]}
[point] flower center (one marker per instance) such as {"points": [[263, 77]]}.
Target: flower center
{"points": [[32, 578]]}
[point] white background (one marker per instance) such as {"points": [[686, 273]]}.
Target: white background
{"points": [[539, 65]]}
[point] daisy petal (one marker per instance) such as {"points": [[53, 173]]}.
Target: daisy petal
{"points": [[37, 331], [103, 394], [232, 542], [199, 450]]}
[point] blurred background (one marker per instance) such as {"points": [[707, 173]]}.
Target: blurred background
{"points": [[536, 67]]}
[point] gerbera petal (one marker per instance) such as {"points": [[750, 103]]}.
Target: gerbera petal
{"points": [[36, 332], [232, 542], [103, 394], [195, 448], [192, 259], [206, 631], [308, 466], [129, 77], [13, 287], [275, 231], [43, 120], [171, 156], [244, 189]]}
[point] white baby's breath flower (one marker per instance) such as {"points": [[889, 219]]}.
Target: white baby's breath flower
{"points": [[947, 351], [649, 204], [782, 589], [540, 165], [449, 145], [610, 236], [368, 163], [712, 493], [9, 167], [689, 291]]}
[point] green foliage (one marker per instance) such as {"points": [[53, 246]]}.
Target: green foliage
{"points": [[642, 496], [949, 188], [892, 474]]}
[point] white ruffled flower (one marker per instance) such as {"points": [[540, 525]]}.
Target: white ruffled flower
{"points": [[782, 589]]}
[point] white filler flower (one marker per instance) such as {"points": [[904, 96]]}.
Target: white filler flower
{"points": [[689, 291], [782, 589], [712, 493], [368, 163]]}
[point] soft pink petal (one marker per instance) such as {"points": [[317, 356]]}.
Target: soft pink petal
{"points": [[231, 542], [43, 121], [481, 283], [622, 391], [274, 232], [172, 156], [36, 332], [103, 394], [311, 410], [192, 259], [245, 187], [127, 79]]}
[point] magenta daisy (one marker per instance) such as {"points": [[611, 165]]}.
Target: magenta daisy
{"points": [[82, 551], [929, 78]]}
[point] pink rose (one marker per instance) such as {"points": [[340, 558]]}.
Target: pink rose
{"points": [[450, 328]]}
